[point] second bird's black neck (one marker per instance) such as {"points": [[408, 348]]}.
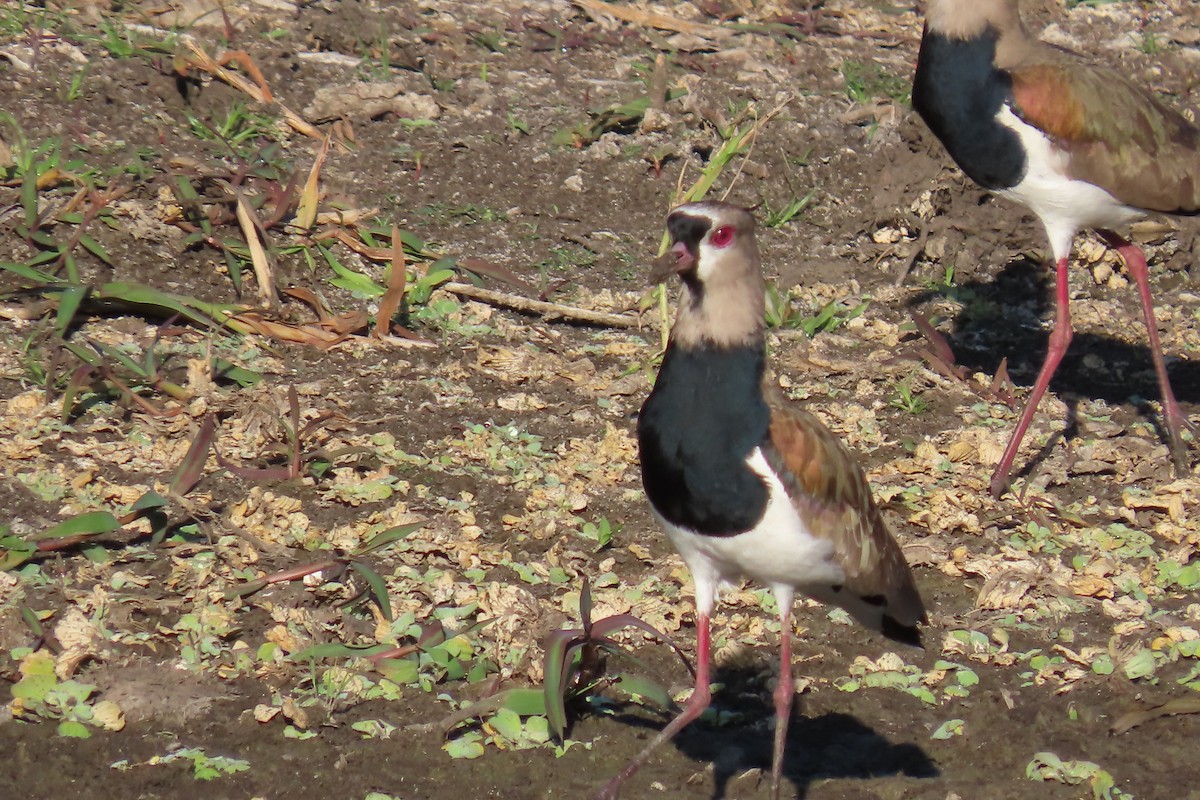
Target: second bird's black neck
{"points": [[704, 418], [958, 91]]}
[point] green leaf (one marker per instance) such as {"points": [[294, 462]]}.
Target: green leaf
{"points": [[338, 650], [560, 647], [378, 586], [390, 536], [136, 294], [348, 279], [28, 272], [68, 305], [95, 248], [14, 558], [225, 370], [149, 500], [91, 523], [34, 688], [124, 360], [464, 747], [948, 729], [16, 545], [292, 732], [644, 688], [616, 622], [526, 702], [207, 768], [403, 671], [373, 728], [1141, 665], [507, 723], [73, 729], [191, 468], [537, 729], [29, 193], [966, 676]]}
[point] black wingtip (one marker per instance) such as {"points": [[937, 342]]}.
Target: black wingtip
{"points": [[904, 634]]}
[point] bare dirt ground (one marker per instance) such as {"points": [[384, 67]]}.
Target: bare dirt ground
{"points": [[143, 185]]}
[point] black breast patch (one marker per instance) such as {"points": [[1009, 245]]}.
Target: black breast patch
{"points": [[703, 419], [958, 92]]}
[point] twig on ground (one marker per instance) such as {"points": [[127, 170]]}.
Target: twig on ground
{"points": [[649, 19], [918, 247], [546, 310]]}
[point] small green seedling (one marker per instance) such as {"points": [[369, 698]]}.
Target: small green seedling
{"points": [[1049, 767], [832, 316], [40, 694], [575, 663], [575, 670], [778, 217], [906, 399]]}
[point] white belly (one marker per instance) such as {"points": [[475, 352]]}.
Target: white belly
{"points": [[779, 551], [1064, 205]]}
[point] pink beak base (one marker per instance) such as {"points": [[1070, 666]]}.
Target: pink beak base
{"points": [[675, 261]]}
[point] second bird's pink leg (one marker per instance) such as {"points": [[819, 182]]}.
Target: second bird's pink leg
{"points": [[695, 707], [1060, 339], [785, 692], [1173, 419]]}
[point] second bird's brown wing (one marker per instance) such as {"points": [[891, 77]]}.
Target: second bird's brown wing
{"points": [[1120, 137]]}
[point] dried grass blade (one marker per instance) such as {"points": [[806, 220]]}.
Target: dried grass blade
{"points": [[306, 213], [397, 281], [264, 272], [191, 469]]}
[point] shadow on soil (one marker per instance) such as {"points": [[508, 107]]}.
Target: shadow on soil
{"points": [[990, 327], [832, 746]]}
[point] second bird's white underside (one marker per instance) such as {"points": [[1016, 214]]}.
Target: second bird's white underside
{"points": [[1064, 205], [778, 552]]}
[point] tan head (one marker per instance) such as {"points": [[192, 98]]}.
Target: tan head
{"points": [[713, 251], [965, 19]]}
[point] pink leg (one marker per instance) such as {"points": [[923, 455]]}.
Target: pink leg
{"points": [[1060, 338], [1173, 417], [695, 707], [785, 692]]}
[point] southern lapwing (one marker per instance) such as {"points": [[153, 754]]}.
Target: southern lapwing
{"points": [[746, 484], [1077, 144]]}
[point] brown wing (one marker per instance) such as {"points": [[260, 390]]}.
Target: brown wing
{"points": [[831, 493], [1119, 137]]}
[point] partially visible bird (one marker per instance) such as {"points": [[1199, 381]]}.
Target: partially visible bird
{"points": [[1077, 144], [747, 485]]}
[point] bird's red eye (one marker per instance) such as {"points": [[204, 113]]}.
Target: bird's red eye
{"points": [[722, 236]]}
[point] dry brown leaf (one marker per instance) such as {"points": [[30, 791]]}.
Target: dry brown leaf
{"points": [[306, 211], [651, 20], [1007, 590], [264, 271], [108, 715], [389, 304], [960, 451], [1091, 586]]}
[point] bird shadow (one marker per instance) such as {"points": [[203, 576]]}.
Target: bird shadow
{"points": [[995, 321], [826, 747]]}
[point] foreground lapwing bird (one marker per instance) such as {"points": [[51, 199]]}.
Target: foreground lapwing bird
{"points": [[747, 485], [1075, 143]]}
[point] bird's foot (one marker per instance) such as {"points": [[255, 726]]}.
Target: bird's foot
{"points": [[611, 790], [999, 484], [1176, 423]]}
